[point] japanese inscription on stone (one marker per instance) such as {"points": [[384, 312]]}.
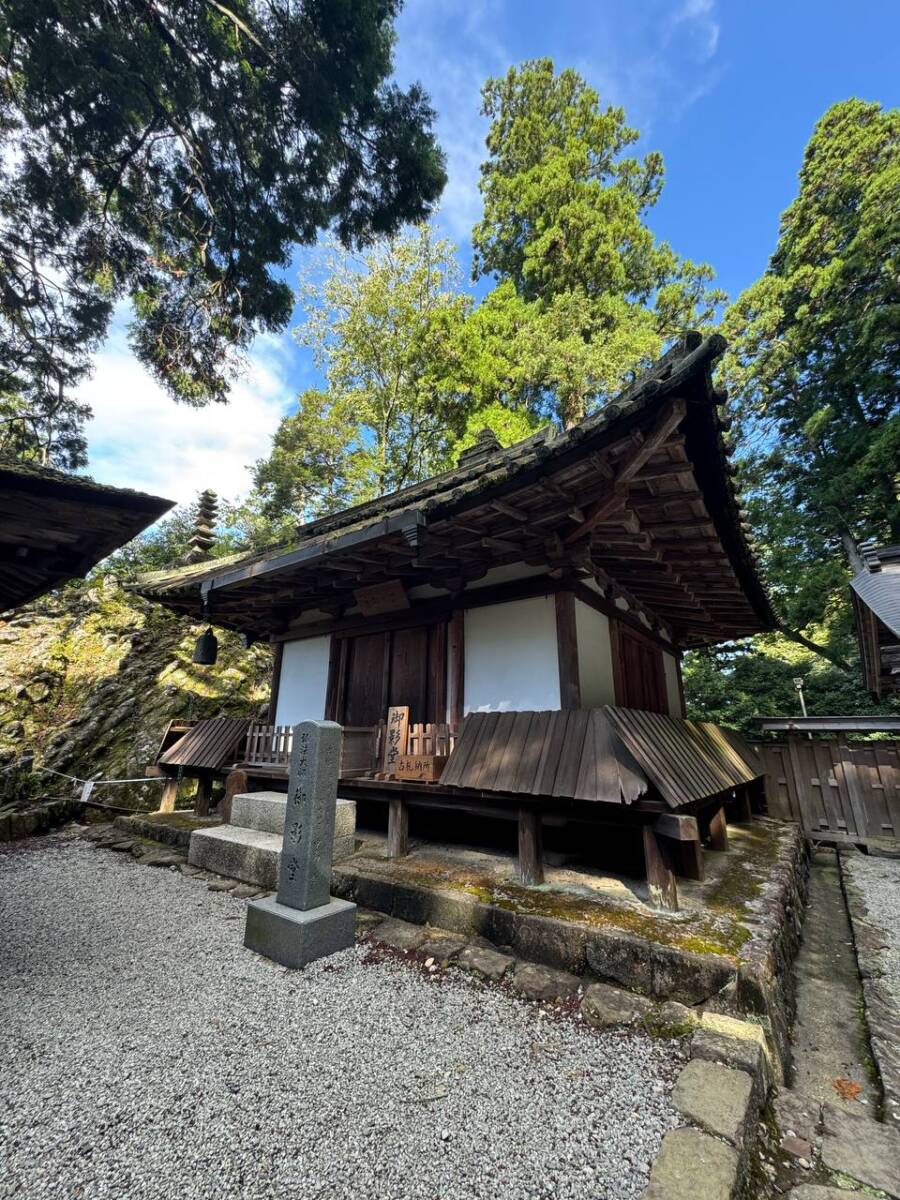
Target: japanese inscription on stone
{"points": [[305, 877]]}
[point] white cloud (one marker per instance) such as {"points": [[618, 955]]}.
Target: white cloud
{"points": [[140, 438]]}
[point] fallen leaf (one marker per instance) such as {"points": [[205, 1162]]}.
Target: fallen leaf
{"points": [[846, 1088]]}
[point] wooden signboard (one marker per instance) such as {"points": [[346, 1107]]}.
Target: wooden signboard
{"points": [[426, 768], [396, 736], [381, 598]]}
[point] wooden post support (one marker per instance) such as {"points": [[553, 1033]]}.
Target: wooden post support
{"points": [[531, 847], [236, 782], [743, 812], [718, 830], [660, 876], [398, 828], [169, 794], [202, 795], [682, 835]]}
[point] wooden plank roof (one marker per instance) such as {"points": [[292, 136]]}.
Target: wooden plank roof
{"points": [[55, 527], [209, 745], [570, 754], [685, 760], [637, 497]]}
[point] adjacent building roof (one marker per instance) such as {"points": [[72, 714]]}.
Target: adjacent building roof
{"points": [[638, 497], [828, 724], [876, 600], [55, 527]]}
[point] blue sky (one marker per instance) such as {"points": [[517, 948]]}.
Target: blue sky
{"points": [[727, 90]]}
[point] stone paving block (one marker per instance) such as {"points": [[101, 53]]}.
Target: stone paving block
{"points": [[606, 1007], [733, 1052], [693, 1166], [716, 1098], [485, 961], [442, 947], [544, 983], [691, 978], [863, 1149], [400, 934], [797, 1115]]}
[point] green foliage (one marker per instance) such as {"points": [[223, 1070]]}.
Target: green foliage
{"points": [[589, 292], [814, 361], [812, 370], [172, 155], [385, 331]]}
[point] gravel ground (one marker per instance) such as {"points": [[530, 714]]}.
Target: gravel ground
{"points": [[145, 1053], [878, 880]]}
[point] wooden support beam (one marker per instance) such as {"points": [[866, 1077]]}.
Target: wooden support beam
{"points": [[202, 796], [743, 812], [531, 847], [398, 828], [567, 651], [169, 794], [626, 469], [277, 657], [660, 876], [718, 830], [509, 510], [457, 669], [678, 828]]}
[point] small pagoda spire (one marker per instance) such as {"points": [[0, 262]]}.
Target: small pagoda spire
{"points": [[204, 535]]}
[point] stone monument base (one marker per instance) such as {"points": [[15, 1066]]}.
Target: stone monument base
{"points": [[295, 937]]}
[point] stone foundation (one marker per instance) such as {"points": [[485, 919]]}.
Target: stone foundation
{"points": [[755, 979]]}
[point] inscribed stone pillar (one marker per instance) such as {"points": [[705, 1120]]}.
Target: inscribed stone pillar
{"points": [[305, 922]]}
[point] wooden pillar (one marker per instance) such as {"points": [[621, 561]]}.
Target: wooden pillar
{"points": [[687, 859], [743, 813], [660, 876], [567, 651], [456, 698], [718, 830], [202, 795], [277, 657], [398, 828], [531, 847], [236, 782], [169, 794]]}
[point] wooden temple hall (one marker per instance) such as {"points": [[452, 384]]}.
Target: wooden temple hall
{"points": [[503, 640]]}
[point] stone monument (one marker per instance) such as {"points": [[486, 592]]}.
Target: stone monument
{"points": [[304, 921]]}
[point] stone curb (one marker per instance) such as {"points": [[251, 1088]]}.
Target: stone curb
{"points": [[16, 823], [168, 835], [881, 1010], [721, 1092]]}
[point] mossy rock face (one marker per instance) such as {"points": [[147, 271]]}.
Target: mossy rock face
{"points": [[94, 675]]}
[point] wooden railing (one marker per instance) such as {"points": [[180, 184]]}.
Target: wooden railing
{"points": [[268, 747]]}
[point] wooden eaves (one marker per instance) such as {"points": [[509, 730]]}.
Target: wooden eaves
{"points": [[635, 501], [55, 527]]}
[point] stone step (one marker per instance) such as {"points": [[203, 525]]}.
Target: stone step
{"points": [[252, 853], [263, 811]]}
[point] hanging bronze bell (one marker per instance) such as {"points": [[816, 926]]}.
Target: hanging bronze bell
{"points": [[206, 649]]}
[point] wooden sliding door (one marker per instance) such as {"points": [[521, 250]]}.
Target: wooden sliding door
{"points": [[638, 670], [371, 671]]}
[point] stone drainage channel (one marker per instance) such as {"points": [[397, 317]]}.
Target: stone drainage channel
{"points": [[829, 1133], [737, 1135]]}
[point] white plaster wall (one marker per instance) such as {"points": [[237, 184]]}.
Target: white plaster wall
{"points": [[673, 692], [511, 657], [304, 679], [595, 669]]}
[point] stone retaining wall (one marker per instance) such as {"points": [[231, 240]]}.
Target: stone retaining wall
{"points": [[19, 820]]}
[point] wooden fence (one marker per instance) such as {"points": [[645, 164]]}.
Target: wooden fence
{"points": [[838, 790]]}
